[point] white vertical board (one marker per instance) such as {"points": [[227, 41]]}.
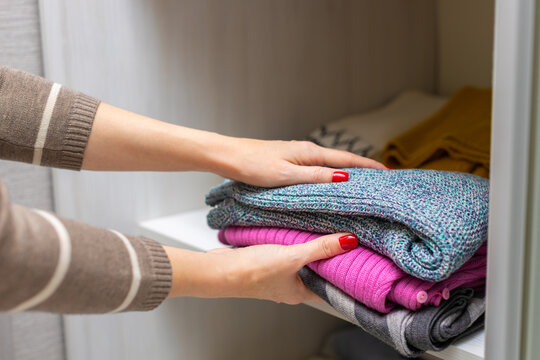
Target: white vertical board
{"points": [[512, 80]]}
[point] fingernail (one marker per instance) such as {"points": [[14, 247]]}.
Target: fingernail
{"points": [[388, 167], [340, 176], [348, 242]]}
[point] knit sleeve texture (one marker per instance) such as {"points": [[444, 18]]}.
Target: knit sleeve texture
{"points": [[41, 122], [57, 265]]}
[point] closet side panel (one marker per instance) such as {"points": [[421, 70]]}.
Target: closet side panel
{"points": [[510, 172]]}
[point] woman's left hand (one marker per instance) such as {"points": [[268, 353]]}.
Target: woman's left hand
{"points": [[279, 163]]}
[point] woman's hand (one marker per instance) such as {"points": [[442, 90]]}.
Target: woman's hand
{"points": [[279, 163], [266, 272], [121, 140]]}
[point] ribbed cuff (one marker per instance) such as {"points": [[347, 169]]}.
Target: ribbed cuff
{"points": [[81, 118], [161, 273]]}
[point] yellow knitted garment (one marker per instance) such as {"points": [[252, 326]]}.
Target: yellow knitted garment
{"points": [[455, 138]]}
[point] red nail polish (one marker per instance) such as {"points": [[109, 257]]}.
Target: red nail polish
{"points": [[340, 176], [348, 242], [389, 168]]}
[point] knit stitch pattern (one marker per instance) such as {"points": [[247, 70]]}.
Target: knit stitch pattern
{"points": [[428, 222], [367, 276]]}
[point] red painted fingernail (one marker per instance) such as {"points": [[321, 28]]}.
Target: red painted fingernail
{"points": [[348, 242], [389, 168], [340, 176]]}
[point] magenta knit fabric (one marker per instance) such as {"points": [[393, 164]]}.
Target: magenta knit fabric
{"points": [[369, 277]]}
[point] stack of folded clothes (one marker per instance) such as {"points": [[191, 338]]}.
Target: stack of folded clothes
{"points": [[416, 280]]}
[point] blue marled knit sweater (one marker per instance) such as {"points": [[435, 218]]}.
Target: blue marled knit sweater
{"points": [[428, 222]]}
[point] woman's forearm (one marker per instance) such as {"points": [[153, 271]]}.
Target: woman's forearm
{"points": [[122, 140]]}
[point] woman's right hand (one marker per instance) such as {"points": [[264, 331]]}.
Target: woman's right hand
{"points": [[267, 272]]}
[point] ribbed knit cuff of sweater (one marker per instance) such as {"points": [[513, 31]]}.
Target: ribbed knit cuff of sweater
{"points": [[43, 123]]}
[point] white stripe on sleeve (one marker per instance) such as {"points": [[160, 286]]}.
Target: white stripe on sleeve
{"points": [[45, 122], [135, 270], [62, 265]]}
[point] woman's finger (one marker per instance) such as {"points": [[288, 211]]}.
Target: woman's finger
{"points": [[313, 154], [325, 247], [344, 159]]}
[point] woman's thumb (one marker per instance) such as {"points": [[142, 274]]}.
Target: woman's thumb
{"points": [[328, 246]]}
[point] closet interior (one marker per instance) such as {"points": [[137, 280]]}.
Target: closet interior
{"points": [[264, 69]]}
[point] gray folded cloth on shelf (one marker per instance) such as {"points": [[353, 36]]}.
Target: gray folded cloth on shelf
{"points": [[409, 332]]}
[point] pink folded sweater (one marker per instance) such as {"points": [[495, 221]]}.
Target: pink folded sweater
{"points": [[369, 277]]}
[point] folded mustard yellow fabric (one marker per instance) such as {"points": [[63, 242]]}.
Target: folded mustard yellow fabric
{"points": [[455, 138]]}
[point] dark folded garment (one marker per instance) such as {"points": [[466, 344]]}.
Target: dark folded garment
{"points": [[409, 332], [428, 222]]}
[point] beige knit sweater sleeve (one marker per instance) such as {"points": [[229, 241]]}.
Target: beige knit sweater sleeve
{"points": [[57, 265]]}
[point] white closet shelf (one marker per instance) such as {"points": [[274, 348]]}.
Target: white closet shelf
{"points": [[189, 230]]}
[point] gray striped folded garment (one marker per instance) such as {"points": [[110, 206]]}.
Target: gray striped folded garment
{"points": [[409, 332]]}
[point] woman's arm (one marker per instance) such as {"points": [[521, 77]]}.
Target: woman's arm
{"points": [[52, 264], [122, 140], [51, 125]]}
